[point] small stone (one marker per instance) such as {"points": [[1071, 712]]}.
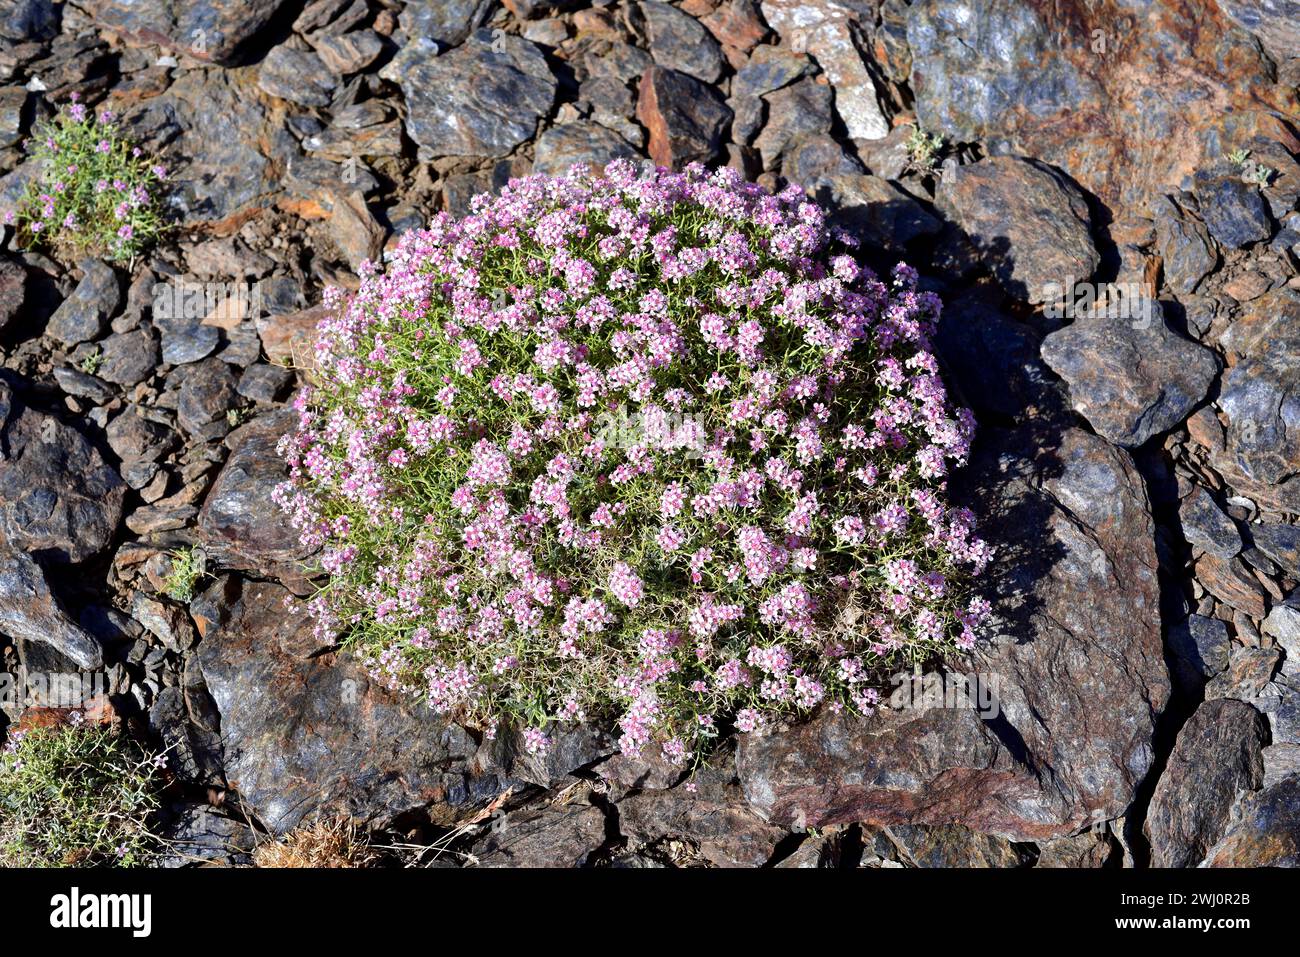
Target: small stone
{"points": [[1185, 246], [206, 395], [1202, 646], [679, 42], [12, 101], [297, 76], [168, 623], [1280, 761], [446, 23], [1205, 525], [84, 315], [685, 117], [1280, 542], [264, 383], [212, 32], [736, 23], [132, 437], [1283, 626], [1248, 674], [349, 53], [811, 158], [289, 339], [824, 29], [1131, 378], [75, 382], [59, 499], [1234, 212], [187, 340], [234, 514], [354, 229], [128, 358], [582, 142], [480, 100], [13, 289], [547, 33], [799, 110]]}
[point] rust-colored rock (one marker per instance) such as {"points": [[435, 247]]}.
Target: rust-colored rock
{"points": [[1071, 84], [686, 118]]}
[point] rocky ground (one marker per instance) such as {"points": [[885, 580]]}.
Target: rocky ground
{"points": [[1139, 476]]}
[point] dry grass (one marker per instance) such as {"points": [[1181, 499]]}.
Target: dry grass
{"points": [[322, 843]]}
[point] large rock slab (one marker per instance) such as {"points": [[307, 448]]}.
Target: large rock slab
{"points": [[1028, 221], [1275, 22], [212, 30], [1215, 759], [221, 137], [303, 729], [1080, 682], [1011, 74], [1131, 378], [304, 734], [479, 100]]}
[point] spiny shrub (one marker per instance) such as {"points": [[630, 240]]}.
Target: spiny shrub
{"points": [[75, 796], [651, 447], [95, 192]]}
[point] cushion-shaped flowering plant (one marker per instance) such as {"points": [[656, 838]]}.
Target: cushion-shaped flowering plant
{"points": [[640, 448], [94, 193]]}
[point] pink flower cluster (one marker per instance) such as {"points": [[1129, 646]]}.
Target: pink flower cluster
{"points": [[491, 548]]}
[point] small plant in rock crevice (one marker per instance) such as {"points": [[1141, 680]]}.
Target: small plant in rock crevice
{"points": [[1253, 174], [93, 360], [95, 193], [188, 567], [923, 150], [770, 534], [76, 795]]}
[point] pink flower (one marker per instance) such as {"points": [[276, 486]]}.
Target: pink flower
{"points": [[625, 585]]}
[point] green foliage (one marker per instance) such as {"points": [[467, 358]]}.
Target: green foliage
{"points": [[75, 796], [1255, 174], [93, 360], [188, 566], [924, 150], [96, 194]]}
